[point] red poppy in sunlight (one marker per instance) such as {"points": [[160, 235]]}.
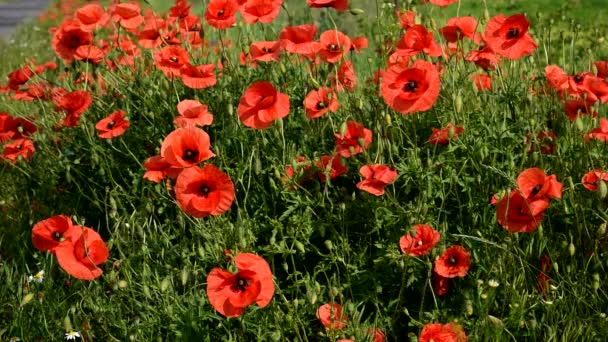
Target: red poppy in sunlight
{"points": [[171, 59], [331, 316], [263, 11], [74, 103], [411, 89], [19, 77], [186, 147], [300, 168], [113, 125], [231, 293], [221, 14], [513, 213], [261, 104], [127, 14], [484, 58], [556, 77], [459, 28], [347, 78], [15, 128], [68, 37], [318, 102], [482, 82], [80, 256], [544, 280], [575, 108], [205, 191], [192, 113], [545, 140], [600, 133], [300, 40], [198, 77], [537, 188], [357, 44], [331, 166], [440, 3], [23, 148], [509, 37], [376, 178], [422, 242], [441, 285], [89, 53], [333, 45], [91, 17], [151, 35], [417, 39], [437, 332], [157, 169], [355, 140], [265, 51], [340, 5], [592, 179], [49, 233], [454, 262], [407, 19], [443, 136], [602, 69]]}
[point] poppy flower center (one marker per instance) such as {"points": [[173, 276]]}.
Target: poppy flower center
{"points": [[333, 48], [75, 39], [420, 243], [190, 155], [241, 284], [220, 13], [578, 78], [320, 105], [513, 33], [19, 147], [266, 50], [410, 86], [57, 236], [173, 59], [452, 260], [111, 124], [536, 189]]}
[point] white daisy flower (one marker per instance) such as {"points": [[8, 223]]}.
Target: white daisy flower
{"points": [[38, 277], [493, 283], [71, 335], [14, 339]]}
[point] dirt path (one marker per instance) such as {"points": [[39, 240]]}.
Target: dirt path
{"points": [[15, 12]]}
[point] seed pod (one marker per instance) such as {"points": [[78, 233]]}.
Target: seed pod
{"points": [[165, 284], [356, 11], [571, 249]]}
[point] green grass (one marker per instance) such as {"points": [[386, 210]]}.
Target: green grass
{"points": [[324, 241]]}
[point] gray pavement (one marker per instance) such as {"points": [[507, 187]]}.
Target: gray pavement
{"points": [[15, 12]]}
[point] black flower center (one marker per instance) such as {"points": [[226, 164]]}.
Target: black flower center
{"points": [[57, 236], [320, 105], [536, 189], [452, 260], [173, 59], [333, 48], [578, 78], [410, 86], [204, 190], [241, 284], [111, 124], [190, 155], [19, 147], [513, 33], [266, 50]]}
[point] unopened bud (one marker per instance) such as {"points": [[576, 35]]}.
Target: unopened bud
{"points": [[356, 11], [571, 249], [458, 103]]}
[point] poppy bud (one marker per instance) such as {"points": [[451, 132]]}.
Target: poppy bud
{"points": [[315, 83], [458, 104], [258, 165], [352, 150], [122, 284], [579, 124], [468, 309], [601, 230], [285, 267], [300, 246], [387, 119], [359, 104], [602, 189], [312, 297], [230, 109], [27, 298], [343, 129], [146, 291], [67, 323], [571, 249], [556, 267], [356, 11], [333, 291], [329, 245], [185, 275]]}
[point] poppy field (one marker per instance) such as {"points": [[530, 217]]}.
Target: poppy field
{"points": [[314, 170]]}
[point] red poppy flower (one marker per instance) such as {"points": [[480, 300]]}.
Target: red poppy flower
{"points": [[459, 28], [113, 125], [301, 168], [221, 14], [331, 166], [74, 104], [509, 37], [355, 140], [592, 179], [340, 5], [68, 37], [186, 147], [80, 256], [422, 242], [171, 59], [230, 293], [263, 11], [417, 39], [358, 44], [546, 141], [19, 77], [443, 136], [484, 58], [441, 285], [544, 280], [205, 191], [513, 213], [318, 102], [347, 78], [265, 51], [407, 19], [602, 69], [127, 14], [89, 53], [23, 148], [442, 333], [157, 169], [261, 104], [377, 177], [91, 17], [538, 188], [482, 82], [151, 35], [575, 108], [49, 233], [441, 3], [15, 128], [455, 262], [413, 89], [600, 133], [333, 45], [331, 316], [198, 77], [192, 113], [300, 40]]}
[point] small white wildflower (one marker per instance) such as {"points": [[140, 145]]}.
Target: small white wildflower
{"points": [[14, 339], [38, 277], [71, 335], [493, 283]]}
